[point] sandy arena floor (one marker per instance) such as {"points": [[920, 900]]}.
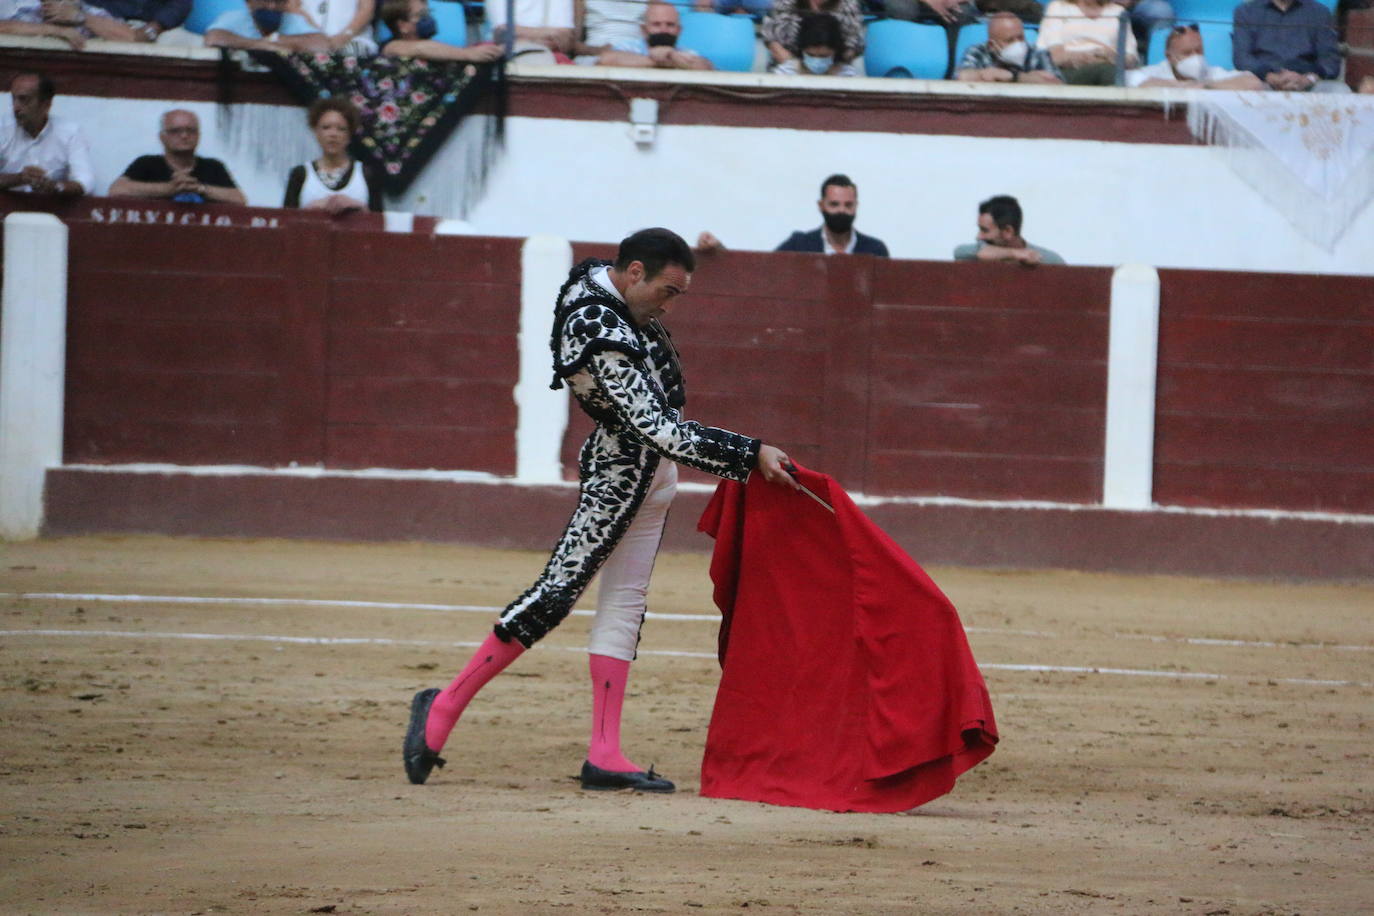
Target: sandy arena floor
{"points": [[1225, 769]]}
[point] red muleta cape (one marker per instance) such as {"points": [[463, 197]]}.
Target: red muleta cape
{"points": [[848, 682]]}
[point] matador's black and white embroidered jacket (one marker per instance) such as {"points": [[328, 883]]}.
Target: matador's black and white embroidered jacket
{"points": [[628, 379]]}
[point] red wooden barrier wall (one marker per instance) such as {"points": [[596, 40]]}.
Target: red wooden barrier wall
{"points": [[901, 377], [217, 345], [303, 345], [1266, 391]]}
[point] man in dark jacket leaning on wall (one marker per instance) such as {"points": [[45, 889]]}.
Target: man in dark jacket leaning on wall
{"points": [[839, 204]]}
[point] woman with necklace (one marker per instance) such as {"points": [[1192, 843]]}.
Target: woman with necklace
{"points": [[335, 182]]}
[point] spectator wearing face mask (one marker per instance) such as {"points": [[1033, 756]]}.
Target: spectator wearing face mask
{"points": [[1185, 67], [658, 46], [822, 44], [1006, 58], [264, 25], [839, 204], [781, 31], [413, 30]]}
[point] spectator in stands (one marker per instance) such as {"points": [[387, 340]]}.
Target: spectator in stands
{"points": [[999, 236], [178, 174], [1081, 36], [821, 43], [414, 29], [1290, 44], [264, 25], [657, 45], [781, 29], [962, 12], [147, 19], [1006, 58], [335, 182], [41, 153], [539, 25], [1185, 67], [70, 20], [839, 204]]}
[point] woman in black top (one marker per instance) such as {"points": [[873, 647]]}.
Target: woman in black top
{"points": [[335, 182]]}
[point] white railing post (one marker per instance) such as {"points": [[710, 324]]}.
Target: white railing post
{"points": [[1132, 362], [33, 356], [543, 414]]}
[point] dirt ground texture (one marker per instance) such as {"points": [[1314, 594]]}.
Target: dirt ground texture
{"points": [[1223, 769]]}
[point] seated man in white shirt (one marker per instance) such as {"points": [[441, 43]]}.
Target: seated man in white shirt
{"points": [[657, 48], [39, 153], [1185, 67]]}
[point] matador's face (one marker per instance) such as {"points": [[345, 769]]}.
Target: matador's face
{"points": [[653, 298]]}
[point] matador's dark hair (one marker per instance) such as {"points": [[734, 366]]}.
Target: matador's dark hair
{"points": [[655, 248]]}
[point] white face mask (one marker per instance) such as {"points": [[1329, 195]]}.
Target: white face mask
{"points": [[1192, 67], [817, 65], [1015, 53]]}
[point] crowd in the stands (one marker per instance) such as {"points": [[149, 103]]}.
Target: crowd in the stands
{"points": [[48, 155], [1287, 45]]}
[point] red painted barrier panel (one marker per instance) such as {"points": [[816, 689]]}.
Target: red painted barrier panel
{"points": [[305, 345], [1266, 391], [901, 377]]}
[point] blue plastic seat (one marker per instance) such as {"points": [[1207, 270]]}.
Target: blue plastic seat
{"points": [[450, 17], [1216, 44], [726, 41], [1204, 11], [975, 33], [906, 49], [204, 12]]}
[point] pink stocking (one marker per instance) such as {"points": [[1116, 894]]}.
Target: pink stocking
{"points": [[490, 660], [609, 676]]}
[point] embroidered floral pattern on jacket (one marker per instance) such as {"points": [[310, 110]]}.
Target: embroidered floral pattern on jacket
{"points": [[626, 379]]}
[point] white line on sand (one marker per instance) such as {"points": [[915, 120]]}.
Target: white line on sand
{"points": [[652, 615], [381, 641]]}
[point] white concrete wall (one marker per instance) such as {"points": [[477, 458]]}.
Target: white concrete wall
{"points": [[1095, 203]]}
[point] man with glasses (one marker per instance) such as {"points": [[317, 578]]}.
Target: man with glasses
{"points": [[1185, 66], [178, 174]]}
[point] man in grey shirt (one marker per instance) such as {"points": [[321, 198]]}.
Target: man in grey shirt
{"points": [[999, 236]]}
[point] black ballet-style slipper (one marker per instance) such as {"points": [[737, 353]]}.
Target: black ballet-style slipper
{"points": [[419, 760], [596, 779]]}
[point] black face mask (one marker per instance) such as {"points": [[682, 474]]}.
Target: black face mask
{"points": [[660, 39], [839, 223]]}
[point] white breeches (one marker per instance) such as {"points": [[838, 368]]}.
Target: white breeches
{"points": [[620, 602]]}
